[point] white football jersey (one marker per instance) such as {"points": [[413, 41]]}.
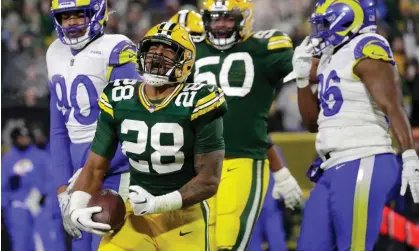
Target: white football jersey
{"points": [[351, 125], [79, 80]]}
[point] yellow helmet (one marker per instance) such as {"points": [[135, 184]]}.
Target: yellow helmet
{"points": [[177, 38], [192, 21], [227, 21]]}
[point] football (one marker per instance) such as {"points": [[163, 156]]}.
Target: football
{"points": [[113, 208]]}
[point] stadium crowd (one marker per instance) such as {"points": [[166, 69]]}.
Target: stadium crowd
{"points": [[27, 31]]}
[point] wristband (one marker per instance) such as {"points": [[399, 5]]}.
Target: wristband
{"points": [[281, 174], [409, 155], [302, 82], [168, 202]]}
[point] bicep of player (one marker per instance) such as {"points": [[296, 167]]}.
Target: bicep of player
{"points": [[123, 62], [105, 142], [382, 81], [59, 143], [209, 136], [374, 66]]}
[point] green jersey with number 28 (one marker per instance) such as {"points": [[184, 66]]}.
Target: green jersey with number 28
{"points": [[248, 73], [159, 140]]}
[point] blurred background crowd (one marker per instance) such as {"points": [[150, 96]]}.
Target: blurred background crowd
{"points": [[27, 31]]}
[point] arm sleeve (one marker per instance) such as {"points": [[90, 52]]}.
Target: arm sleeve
{"points": [[123, 62], [59, 143], [374, 48], [279, 59], [209, 136], [280, 63], [105, 142], [125, 71]]}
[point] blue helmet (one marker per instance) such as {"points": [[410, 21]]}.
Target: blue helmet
{"points": [[95, 13], [370, 16], [335, 22]]}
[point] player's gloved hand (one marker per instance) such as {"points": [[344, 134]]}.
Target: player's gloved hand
{"points": [[81, 216], [286, 187], [301, 62], [142, 202], [64, 200], [410, 174], [70, 228]]}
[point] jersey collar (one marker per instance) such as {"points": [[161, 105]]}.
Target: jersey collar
{"points": [[153, 107]]}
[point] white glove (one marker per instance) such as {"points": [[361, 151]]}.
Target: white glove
{"points": [[410, 174], [64, 199], [142, 202], [301, 62], [81, 215], [286, 187]]}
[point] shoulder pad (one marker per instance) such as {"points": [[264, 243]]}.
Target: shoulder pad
{"points": [[53, 47], [275, 39], [115, 91], [373, 47], [209, 102], [122, 53]]}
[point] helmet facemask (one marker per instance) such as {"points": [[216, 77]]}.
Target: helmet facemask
{"points": [[223, 27], [77, 34], [160, 66]]}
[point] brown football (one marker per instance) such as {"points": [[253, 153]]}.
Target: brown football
{"points": [[113, 208]]}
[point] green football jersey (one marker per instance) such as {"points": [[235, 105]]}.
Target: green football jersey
{"points": [[248, 73], [159, 140]]}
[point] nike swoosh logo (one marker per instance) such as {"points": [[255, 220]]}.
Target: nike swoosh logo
{"points": [[339, 166], [80, 222], [375, 54], [212, 88], [185, 233], [142, 202], [231, 169]]}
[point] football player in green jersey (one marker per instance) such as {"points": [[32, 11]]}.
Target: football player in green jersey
{"points": [[248, 66], [172, 135]]}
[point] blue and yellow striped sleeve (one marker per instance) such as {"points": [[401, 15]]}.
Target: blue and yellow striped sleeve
{"points": [[122, 62], [372, 47]]}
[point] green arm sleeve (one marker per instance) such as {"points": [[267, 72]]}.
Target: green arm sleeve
{"points": [[280, 63], [105, 142], [209, 136]]}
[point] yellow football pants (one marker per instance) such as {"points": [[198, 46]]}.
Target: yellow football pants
{"points": [[180, 230], [237, 204]]}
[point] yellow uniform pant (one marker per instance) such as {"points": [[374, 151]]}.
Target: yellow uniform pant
{"points": [[237, 204], [180, 230]]}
